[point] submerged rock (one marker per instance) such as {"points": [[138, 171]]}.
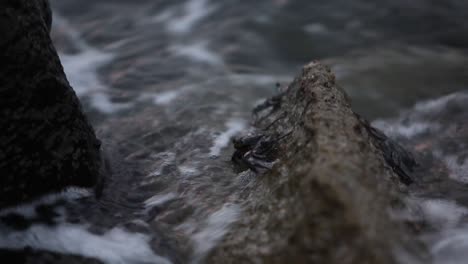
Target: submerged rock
{"points": [[328, 197], [46, 142]]}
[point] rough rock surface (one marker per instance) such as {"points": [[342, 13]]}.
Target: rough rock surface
{"points": [[46, 142], [328, 196]]}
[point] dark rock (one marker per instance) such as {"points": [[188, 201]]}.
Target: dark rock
{"points": [[46, 142], [329, 194], [46, 12]]}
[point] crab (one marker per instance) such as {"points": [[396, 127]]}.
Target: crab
{"points": [[254, 151]]}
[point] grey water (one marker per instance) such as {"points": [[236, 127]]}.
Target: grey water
{"points": [[168, 83]]}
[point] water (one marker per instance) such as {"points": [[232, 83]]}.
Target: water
{"points": [[435, 132], [167, 84]]}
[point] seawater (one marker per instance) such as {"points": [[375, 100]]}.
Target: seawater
{"points": [[171, 82]]}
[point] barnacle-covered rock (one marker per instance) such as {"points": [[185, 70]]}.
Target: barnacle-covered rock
{"points": [[328, 196]]}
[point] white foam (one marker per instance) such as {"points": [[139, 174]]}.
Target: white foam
{"points": [[188, 170], [258, 79], [198, 52], [439, 213], [160, 199], [28, 210], [214, 230], [443, 213], [61, 23], [233, 126], [165, 98], [117, 246], [451, 247], [81, 69], [195, 11], [406, 130], [101, 102], [458, 170], [419, 120], [448, 242], [436, 104]]}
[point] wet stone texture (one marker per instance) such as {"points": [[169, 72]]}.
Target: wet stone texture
{"points": [[46, 142], [328, 195]]}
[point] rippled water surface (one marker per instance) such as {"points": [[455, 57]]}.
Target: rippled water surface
{"points": [[168, 83]]}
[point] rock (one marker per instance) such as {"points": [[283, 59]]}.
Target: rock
{"points": [[46, 142], [328, 197]]}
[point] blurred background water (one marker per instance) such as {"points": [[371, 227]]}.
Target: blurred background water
{"points": [[171, 81], [387, 54]]}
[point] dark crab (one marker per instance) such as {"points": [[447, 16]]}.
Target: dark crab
{"points": [[255, 151]]}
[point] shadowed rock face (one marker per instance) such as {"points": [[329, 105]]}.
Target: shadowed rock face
{"points": [[46, 142], [328, 196], [46, 12]]}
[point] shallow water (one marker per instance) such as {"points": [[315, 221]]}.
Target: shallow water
{"points": [[168, 83]]}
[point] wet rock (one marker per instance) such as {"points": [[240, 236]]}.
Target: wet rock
{"points": [[328, 196], [46, 142]]}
